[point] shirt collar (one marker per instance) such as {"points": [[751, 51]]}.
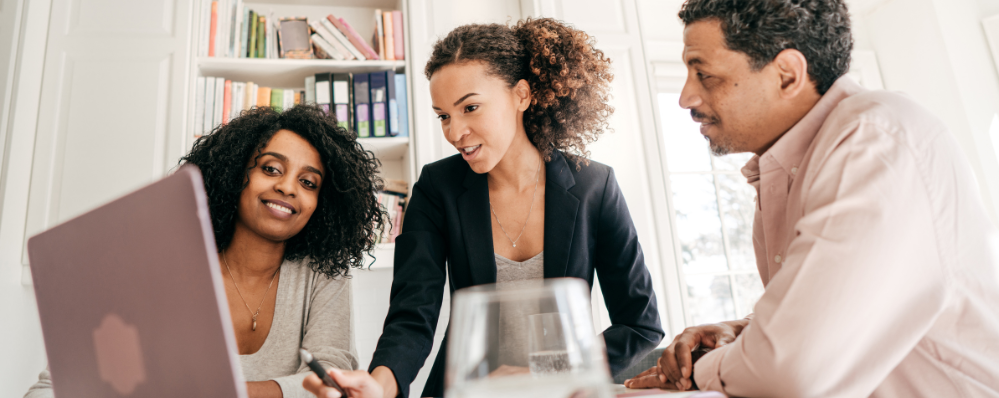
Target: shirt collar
{"points": [[790, 148]]}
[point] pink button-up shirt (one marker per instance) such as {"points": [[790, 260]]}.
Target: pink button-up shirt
{"points": [[879, 261]]}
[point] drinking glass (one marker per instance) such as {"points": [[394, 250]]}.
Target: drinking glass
{"points": [[525, 340]]}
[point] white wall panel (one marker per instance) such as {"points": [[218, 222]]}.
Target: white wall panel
{"points": [[596, 16], [116, 17], [111, 109]]}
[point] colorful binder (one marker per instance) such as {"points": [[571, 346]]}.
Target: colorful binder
{"points": [[403, 101], [362, 105], [341, 99], [323, 91], [379, 104]]}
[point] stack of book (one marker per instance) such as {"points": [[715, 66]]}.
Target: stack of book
{"points": [[392, 199], [218, 100], [233, 30], [370, 104]]}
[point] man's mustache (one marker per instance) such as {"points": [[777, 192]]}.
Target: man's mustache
{"points": [[701, 117]]}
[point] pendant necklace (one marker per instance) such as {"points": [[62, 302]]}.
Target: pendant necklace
{"points": [[254, 314], [537, 177]]}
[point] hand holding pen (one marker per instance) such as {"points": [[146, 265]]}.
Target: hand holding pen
{"points": [[335, 383]]}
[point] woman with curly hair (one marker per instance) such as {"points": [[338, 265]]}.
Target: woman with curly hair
{"points": [[520, 202], [292, 203]]}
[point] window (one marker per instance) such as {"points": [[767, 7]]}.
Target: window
{"points": [[713, 212]]}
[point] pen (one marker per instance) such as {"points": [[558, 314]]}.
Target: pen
{"points": [[319, 371]]}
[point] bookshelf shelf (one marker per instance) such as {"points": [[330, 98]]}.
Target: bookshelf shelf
{"points": [[286, 73], [386, 148]]}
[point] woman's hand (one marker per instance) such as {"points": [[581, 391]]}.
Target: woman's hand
{"points": [[356, 383]]}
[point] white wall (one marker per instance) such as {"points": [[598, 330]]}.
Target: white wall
{"points": [[936, 51], [21, 345]]}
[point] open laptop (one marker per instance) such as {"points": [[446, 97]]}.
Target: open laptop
{"points": [[131, 298]]}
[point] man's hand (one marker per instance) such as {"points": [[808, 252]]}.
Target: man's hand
{"points": [[648, 379], [675, 365]]}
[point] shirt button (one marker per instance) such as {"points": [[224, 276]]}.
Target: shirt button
{"points": [[777, 259], [794, 170]]}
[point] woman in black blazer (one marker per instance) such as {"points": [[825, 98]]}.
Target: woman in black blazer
{"points": [[511, 100]]}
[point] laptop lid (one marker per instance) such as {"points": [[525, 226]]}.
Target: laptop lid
{"points": [[131, 299]]}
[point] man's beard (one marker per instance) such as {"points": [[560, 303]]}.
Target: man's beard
{"points": [[720, 147]]}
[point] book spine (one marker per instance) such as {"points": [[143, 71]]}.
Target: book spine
{"points": [[403, 100], [251, 50], [289, 99], [340, 96], [263, 96], [244, 32], [219, 101], [379, 124], [389, 37], [378, 41], [392, 118], [362, 110], [236, 38], [232, 32], [353, 37], [400, 44], [213, 29], [277, 100], [335, 37], [310, 89], [226, 101], [322, 90], [199, 107], [261, 24], [249, 96], [209, 102], [205, 19]]}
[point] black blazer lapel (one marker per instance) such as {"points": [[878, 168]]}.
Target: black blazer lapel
{"points": [[560, 215], [476, 228]]}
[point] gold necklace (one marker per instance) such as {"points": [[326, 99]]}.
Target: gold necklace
{"points": [[537, 177], [254, 314]]}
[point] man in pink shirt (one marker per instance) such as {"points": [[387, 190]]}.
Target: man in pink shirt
{"points": [[879, 261]]}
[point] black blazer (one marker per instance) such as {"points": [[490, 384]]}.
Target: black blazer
{"points": [[448, 230]]}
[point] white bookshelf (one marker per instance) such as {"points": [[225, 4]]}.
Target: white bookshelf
{"points": [[396, 154]]}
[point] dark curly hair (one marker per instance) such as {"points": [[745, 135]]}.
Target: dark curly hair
{"points": [[347, 217], [569, 78], [761, 29]]}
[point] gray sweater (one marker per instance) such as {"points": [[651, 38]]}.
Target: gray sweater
{"points": [[311, 312]]}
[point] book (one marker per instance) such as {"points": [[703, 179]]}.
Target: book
{"points": [[277, 99], [199, 107], [326, 49], [219, 101], [263, 96], [322, 89], [294, 33], [233, 44], [237, 99], [223, 23], [379, 103], [332, 36], [252, 98], [204, 27], [251, 50], [209, 118], [226, 101], [261, 28], [272, 41], [392, 112], [213, 33], [403, 101], [310, 90], [399, 41], [350, 52], [362, 105], [249, 96], [244, 32], [340, 95], [389, 36], [353, 37], [288, 99], [298, 98], [378, 38]]}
